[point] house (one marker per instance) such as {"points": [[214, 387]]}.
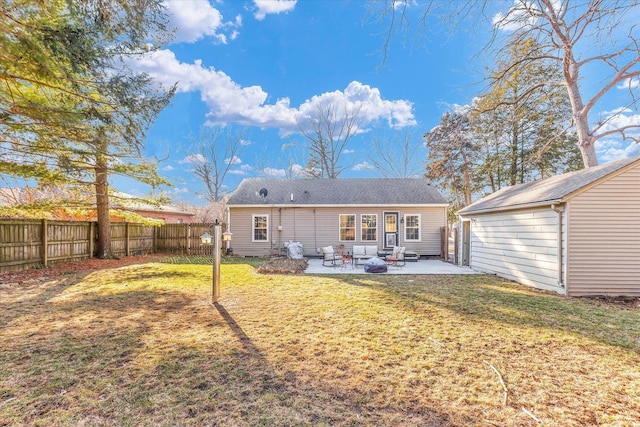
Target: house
{"points": [[576, 234], [170, 214], [70, 204], [265, 214]]}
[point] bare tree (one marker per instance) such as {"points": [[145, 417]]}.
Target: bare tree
{"points": [[581, 35], [396, 156], [217, 151], [287, 165], [329, 130]]}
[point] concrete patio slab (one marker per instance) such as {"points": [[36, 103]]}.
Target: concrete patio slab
{"points": [[423, 266]]}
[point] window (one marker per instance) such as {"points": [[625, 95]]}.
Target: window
{"points": [[369, 227], [412, 228], [347, 228], [260, 228]]}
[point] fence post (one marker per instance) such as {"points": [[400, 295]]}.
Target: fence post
{"points": [[156, 230], [92, 239], [126, 239], [45, 243], [187, 234]]}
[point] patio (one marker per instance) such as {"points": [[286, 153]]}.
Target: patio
{"points": [[423, 266]]}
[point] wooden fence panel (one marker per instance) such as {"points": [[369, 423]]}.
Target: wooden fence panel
{"points": [[118, 239], [28, 244], [172, 238], [20, 244], [195, 243], [66, 241], [141, 239]]}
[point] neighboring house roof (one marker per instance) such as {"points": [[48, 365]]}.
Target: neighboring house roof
{"points": [[340, 191], [138, 205], [17, 195], [555, 189]]}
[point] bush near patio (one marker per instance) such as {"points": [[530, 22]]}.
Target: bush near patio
{"points": [[141, 345]]}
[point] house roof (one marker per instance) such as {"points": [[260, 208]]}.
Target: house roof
{"points": [[341, 191], [555, 189]]}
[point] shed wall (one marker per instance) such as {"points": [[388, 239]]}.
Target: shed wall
{"points": [[518, 245], [318, 227], [604, 237]]}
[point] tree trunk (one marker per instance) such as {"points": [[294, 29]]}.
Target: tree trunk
{"points": [[586, 140], [102, 206]]}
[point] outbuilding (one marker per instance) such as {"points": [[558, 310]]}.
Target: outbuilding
{"points": [[265, 214], [576, 234]]}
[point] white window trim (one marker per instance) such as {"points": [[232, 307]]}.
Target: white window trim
{"points": [[253, 228], [355, 227], [362, 228], [419, 239]]}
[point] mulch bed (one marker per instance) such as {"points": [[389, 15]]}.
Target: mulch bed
{"points": [[283, 266]]}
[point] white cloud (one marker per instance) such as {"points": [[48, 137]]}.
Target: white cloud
{"points": [[193, 158], [609, 150], [196, 19], [229, 102], [629, 84], [235, 160], [274, 173], [237, 172], [348, 151], [168, 168], [517, 17], [621, 118], [364, 166], [297, 170], [267, 7], [613, 147]]}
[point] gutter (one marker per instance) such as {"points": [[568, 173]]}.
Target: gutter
{"points": [[511, 207]]}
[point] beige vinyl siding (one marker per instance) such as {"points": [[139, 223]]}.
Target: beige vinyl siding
{"points": [[318, 227], [604, 237], [240, 225], [518, 245], [432, 219]]}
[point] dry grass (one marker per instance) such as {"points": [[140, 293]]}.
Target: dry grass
{"points": [[141, 345]]}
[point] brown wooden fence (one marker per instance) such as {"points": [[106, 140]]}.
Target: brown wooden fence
{"points": [[183, 239], [26, 244]]}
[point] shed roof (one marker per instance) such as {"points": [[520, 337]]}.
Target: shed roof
{"points": [[341, 191], [549, 190]]}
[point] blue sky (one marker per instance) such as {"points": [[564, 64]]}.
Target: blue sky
{"points": [[261, 64]]}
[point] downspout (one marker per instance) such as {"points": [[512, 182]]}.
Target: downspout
{"points": [[559, 210], [280, 227]]}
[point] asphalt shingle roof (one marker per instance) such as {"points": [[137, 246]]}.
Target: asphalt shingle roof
{"points": [[550, 189], [341, 191]]}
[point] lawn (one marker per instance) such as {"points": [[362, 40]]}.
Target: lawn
{"points": [[142, 345]]}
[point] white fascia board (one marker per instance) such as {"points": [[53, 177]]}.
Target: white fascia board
{"points": [[354, 205]]}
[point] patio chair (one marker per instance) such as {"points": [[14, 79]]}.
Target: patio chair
{"points": [[397, 256], [330, 256]]}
